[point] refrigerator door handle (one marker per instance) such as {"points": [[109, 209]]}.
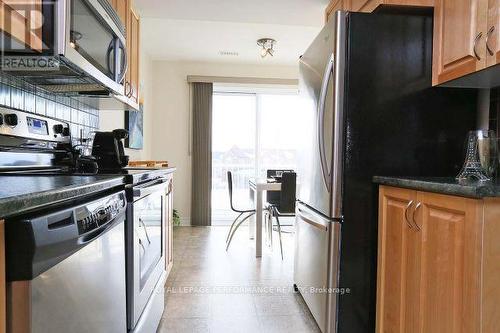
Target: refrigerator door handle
{"points": [[321, 116], [317, 224]]}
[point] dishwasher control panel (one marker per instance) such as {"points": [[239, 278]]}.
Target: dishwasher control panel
{"points": [[98, 213]]}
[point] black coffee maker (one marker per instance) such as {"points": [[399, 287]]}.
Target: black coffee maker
{"points": [[108, 149]]}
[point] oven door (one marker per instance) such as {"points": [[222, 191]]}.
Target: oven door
{"points": [[93, 40], [146, 263]]}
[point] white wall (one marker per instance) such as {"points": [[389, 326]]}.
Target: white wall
{"points": [[170, 114], [112, 119]]}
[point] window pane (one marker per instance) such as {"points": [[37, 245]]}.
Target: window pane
{"points": [[233, 149], [280, 122]]}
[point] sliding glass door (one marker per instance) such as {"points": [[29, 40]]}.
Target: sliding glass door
{"points": [[233, 149], [252, 132]]}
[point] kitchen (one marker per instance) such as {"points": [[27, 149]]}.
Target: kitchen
{"points": [[160, 169]]}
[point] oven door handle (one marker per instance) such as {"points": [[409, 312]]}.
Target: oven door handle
{"points": [[148, 188]]}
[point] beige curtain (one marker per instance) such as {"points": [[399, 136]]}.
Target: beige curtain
{"points": [[201, 208]]}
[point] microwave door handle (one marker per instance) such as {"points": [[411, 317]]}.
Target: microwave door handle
{"points": [[108, 57], [321, 119], [123, 63]]}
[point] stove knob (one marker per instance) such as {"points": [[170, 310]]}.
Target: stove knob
{"points": [[58, 129], [65, 131], [11, 119]]}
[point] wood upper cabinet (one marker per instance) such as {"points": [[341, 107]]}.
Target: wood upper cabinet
{"points": [[493, 33], [132, 26], [436, 255], [333, 6], [121, 7], [460, 31], [22, 20], [368, 6], [133, 66]]}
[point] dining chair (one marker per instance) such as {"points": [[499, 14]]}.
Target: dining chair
{"points": [[246, 213], [273, 197], [285, 206]]}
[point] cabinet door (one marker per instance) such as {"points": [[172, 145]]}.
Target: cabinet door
{"points": [[333, 6], [460, 28], [121, 7], [22, 20], [398, 262], [450, 263], [493, 34], [364, 5], [134, 55]]}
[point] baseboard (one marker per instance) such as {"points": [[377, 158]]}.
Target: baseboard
{"points": [[185, 221]]}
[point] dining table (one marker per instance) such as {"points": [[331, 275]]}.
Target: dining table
{"points": [[258, 190]]}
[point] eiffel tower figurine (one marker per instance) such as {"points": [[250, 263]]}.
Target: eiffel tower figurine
{"points": [[472, 169]]}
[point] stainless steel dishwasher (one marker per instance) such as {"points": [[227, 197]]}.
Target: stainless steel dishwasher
{"points": [[66, 268]]}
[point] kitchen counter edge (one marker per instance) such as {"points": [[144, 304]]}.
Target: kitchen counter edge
{"points": [[20, 204], [449, 186]]}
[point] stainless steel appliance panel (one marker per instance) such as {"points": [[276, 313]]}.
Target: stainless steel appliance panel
{"points": [[146, 236], [321, 91], [317, 241], [85, 292]]}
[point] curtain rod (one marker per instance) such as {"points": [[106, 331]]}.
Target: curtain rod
{"points": [[241, 80]]}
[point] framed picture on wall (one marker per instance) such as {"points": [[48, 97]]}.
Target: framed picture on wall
{"points": [[134, 126]]}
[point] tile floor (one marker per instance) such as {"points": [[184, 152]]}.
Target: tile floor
{"points": [[211, 290]]}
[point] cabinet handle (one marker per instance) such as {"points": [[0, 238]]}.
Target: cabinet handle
{"points": [[127, 88], [406, 214], [413, 216], [476, 40], [488, 35]]}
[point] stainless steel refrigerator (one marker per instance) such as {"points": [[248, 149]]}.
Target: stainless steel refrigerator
{"points": [[365, 83]]}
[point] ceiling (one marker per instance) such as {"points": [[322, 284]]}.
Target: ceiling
{"points": [[227, 30]]}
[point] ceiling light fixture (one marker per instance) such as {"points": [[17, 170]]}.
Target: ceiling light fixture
{"points": [[267, 45]]}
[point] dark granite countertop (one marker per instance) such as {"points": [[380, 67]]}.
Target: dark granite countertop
{"points": [[20, 194], [442, 185]]}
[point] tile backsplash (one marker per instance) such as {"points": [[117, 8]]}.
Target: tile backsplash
{"points": [[82, 117]]}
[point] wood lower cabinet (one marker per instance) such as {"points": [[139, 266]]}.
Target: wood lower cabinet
{"points": [[450, 269], [434, 255], [398, 262], [22, 20]]}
